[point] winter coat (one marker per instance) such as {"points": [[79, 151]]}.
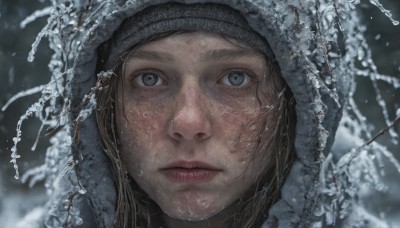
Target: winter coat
{"points": [[314, 43]]}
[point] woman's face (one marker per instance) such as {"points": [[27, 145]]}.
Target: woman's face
{"points": [[189, 119]]}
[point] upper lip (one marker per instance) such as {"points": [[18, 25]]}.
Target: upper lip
{"points": [[189, 165]]}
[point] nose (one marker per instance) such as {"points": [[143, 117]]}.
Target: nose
{"points": [[191, 120]]}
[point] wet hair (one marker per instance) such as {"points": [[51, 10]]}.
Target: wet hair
{"points": [[134, 208]]}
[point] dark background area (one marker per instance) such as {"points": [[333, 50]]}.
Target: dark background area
{"points": [[17, 74]]}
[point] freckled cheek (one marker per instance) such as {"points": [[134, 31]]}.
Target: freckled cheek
{"points": [[241, 133], [142, 121], [138, 131]]}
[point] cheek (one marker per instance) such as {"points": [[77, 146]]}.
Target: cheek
{"points": [[138, 130], [241, 129], [142, 121]]}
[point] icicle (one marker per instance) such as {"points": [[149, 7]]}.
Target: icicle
{"points": [[34, 108], [17, 138], [37, 137], [47, 111], [67, 168]]}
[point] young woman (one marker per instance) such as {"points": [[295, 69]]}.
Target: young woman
{"points": [[198, 113]]}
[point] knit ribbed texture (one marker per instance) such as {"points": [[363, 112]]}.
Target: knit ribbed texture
{"points": [[163, 18]]}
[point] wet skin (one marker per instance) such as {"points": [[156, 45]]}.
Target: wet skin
{"points": [[187, 122]]}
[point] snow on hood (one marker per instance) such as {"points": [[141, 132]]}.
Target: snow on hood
{"points": [[305, 46], [315, 43]]}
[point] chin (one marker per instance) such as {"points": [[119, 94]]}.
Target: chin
{"points": [[193, 212]]}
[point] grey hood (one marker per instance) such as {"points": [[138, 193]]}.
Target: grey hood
{"points": [[313, 43], [303, 38]]}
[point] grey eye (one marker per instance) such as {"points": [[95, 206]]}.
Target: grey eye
{"points": [[148, 79], [236, 78]]}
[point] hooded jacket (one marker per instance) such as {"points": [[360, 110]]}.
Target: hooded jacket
{"points": [[314, 43]]}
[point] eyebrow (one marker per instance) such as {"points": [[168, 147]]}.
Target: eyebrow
{"points": [[221, 55], [218, 55], [152, 56]]}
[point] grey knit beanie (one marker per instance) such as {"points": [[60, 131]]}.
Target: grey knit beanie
{"points": [[159, 19]]}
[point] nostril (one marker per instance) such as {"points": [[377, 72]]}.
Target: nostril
{"points": [[198, 136], [201, 135], [177, 136]]}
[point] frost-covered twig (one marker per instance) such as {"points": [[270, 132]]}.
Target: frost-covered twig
{"points": [[35, 15], [385, 11], [39, 37], [37, 174], [24, 93], [382, 131], [395, 82]]}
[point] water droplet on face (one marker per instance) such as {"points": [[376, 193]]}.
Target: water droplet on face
{"points": [[140, 174]]}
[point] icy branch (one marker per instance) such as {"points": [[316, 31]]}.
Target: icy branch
{"points": [[381, 132], [24, 93], [39, 37], [35, 15], [385, 11]]}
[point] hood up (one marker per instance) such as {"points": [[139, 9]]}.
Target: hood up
{"points": [[303, 37], [313, 43]]}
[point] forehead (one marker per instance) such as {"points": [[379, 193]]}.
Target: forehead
{"points": [[196, 46], [196, 41]]}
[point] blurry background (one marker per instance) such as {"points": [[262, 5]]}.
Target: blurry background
{"points": [[17, 74]]}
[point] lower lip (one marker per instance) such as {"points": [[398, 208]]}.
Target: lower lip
{"points": [[195, 175]]}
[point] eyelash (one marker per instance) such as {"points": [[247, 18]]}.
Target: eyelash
{"points": [[137, 75], [232, 90], [251, 78]]}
